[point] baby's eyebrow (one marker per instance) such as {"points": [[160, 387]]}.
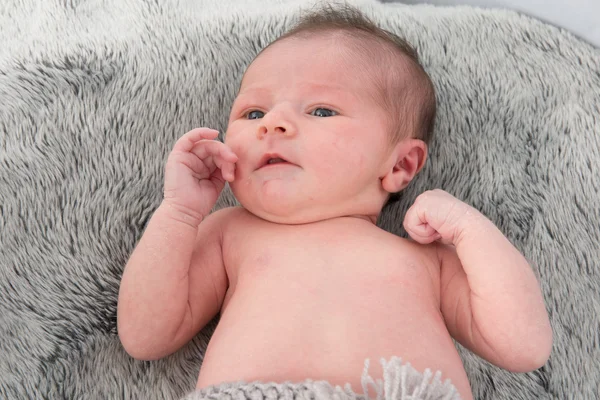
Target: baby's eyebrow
{"points": [[246, 97], [254, 91], [264, 94]]}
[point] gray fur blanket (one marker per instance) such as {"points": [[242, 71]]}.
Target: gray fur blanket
{"points": [[93, 94]]}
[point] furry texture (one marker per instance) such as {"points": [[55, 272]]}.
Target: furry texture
{"points": [[400, 382], [93, 94]]}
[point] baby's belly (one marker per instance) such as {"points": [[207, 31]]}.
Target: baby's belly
{"points": [[294, 330]]}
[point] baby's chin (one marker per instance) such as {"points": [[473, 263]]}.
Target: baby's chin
{"points": [[288, 210], [292, 205]]}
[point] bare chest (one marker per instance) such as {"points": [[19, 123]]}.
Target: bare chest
{"points": [[314, 301], [331, 264]]}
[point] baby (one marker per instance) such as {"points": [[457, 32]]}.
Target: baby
{"points": [[330, 120]]}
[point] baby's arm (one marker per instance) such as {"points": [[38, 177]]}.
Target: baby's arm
{"points": [[157, 312], [490, 298], [175, 280]]}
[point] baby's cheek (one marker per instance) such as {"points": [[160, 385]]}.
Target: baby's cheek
{"points": [[239, 150], [237, 147], [341, 154], [342, 162], [350, 154], [333, 155], [340, 147], [229, 139]]}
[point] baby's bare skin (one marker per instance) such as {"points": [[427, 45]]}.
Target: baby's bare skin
{"points": [[314, 301], [308, 286]]}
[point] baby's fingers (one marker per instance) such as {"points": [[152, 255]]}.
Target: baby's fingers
{"points": [[189, 140], [423, 233], [219, 154], [228, 171], [417, 226], [215, 149], [225, 161]]}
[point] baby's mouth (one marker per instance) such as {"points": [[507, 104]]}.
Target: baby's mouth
{"points": [[275, 163], [273, 160]]}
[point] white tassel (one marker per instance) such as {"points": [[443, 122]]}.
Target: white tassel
{"points": [[403, 382]]}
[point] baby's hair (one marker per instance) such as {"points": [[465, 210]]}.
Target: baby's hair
{"points": [[389, 60]]}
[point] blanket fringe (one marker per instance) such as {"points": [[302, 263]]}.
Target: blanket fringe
{"points": [[403, 382], [400, 382]]}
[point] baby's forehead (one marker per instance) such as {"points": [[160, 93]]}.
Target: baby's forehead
{"points": [[362, 63]]}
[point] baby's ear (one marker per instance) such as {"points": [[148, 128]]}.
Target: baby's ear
{"points": [[406, 160]]}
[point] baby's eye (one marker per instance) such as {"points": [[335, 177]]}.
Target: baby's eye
{"points": [[255, 114], [323, 112]]}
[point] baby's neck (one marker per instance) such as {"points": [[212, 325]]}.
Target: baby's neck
{"points": [[295, 220], [370, 218]]}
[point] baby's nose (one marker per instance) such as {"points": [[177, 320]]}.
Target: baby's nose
{"points": [[275, 122], [263, 130]]}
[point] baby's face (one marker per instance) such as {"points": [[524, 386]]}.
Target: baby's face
{"points": [[306, 101]]}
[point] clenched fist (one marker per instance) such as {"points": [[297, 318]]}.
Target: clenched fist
{"points": [[437, 215]]}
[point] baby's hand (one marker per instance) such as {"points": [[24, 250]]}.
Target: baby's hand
{"points": [[196, 171], [437, 215]]}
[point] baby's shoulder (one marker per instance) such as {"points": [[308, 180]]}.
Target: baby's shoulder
{"points": [[407, 243], [425, 253], [230, 218], [226, 215]]}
